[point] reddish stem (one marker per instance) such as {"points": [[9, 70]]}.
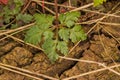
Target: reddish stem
{"points": [[5, 2], [56, 11], [43, 5]]}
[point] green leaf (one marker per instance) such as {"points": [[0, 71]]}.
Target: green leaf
{"points": [[69, 23], [50, 50], [24, 17], [48, 34], [33, 35], [13, 26], [69, 18], [53, 56], [51, 44], [72, 16], [73, 37], [98, 2], [11, 10], [62, 18], [62, 47], [77, 34], [18, 2], [47, 45], [77, 28], [64, 34], [16, 10], [82, 35], [44, 21]]}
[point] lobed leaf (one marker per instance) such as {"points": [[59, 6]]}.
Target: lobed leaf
{"points": [[47, 45], [82, 35], [50, 50], [62, 18], [77, 34], [33, 35], [26, 18], [69, 18], [53, 56], [69, 23], [62, 47], [14, 26], [73, 37], [64, 34], [18, 2], [44, 21], [48, 34], [72, 16]]}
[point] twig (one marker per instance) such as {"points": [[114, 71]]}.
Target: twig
{"points": [[44, 7], [82, 7], [20, 28], [24, 9], [56, 12], [99, 20], [20, 12], [109, 23], [112, 15], [19, 40], [93, 62], [91, 72], [101, 41], [112, 35], [86, 61], [23, 71]]}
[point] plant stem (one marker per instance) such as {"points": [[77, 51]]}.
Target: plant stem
{"points": [[56, 11], [56, 21], [43, 5]]}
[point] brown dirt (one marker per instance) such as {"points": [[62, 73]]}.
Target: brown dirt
{"points": [[100, 46]]}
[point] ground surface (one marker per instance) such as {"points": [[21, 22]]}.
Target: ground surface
{"points": [[102, 45]]}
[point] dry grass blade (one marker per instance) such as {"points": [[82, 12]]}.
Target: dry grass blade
{"points": [[107, 23], [25, 72], [90, 30], [90, 21], [24, 9], [82, 7], [44, 7], [70, 58], [49, 3], [76, 9], [12, 34], [97, 12], [17, 29], [21, 41], [112, 35], [98, 21], [91, 72], [21, 73], [86, 61], [93, 62], [106, 52]]}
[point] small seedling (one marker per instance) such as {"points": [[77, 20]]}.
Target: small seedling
{"points": [[55, 39], [10, 10], [44, 33]]}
